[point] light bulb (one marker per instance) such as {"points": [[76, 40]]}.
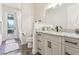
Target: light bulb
{"points": [[60, 4]]}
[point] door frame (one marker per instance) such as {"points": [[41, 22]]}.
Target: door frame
{"points": [[14, 14], [10, 10]]}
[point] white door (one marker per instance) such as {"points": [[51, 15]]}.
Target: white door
{"points": [[12, 29]]}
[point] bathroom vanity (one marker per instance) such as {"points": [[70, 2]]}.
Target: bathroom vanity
{"points": [[57, 43], [49, 42]]}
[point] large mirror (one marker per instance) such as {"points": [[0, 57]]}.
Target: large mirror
{"points": [[66, 15]]}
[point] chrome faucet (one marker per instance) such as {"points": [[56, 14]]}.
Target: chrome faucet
{"points": [[58, 28]]}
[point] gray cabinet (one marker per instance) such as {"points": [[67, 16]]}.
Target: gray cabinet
{"points": [[70, 46], [48, 44]]}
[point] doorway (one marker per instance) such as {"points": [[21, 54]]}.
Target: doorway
{"points": [[12, 30], [11, 44]]}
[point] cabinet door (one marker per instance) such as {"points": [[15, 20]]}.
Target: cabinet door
{"points": [[71, 51], [52, 46], [48, 48], [56, 49]]}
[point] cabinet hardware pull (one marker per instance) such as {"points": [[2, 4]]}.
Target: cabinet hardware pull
{"points": [[39, 34], [38, 40], [38, 48], [49, 44], [71, 42], [67, 53]]}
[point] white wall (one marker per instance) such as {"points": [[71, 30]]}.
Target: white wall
{"points": [[4, 29], [40, 11], [27, 17], [0, 24], [24, 20], [5, 10], [0, 10]]}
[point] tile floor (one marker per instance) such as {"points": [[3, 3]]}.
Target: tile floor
{"points": [[13, 47], [25, 50]]}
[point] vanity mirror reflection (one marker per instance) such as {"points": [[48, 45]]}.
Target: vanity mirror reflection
{"points": [[66, 15]]}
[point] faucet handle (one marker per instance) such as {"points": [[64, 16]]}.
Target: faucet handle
{"points": [[61, 27]]}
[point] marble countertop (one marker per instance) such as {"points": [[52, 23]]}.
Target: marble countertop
{"points": [[66, 34]]}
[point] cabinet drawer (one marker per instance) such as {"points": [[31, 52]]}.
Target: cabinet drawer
{"points": [[40, 35], [40, 47], [72, 42], [40, 51], [40, 39], [49, 36], [52, 37], [71, 51]]}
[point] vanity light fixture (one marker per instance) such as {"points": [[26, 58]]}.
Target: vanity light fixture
{"points": [[60, 4], [54, 5]]}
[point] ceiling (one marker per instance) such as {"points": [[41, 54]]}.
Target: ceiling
{"points": [[13, 5]]}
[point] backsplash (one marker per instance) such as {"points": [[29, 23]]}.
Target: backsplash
{"points": [[45, 27], [68, 30]]}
